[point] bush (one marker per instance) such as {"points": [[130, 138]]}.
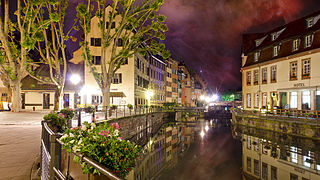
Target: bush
{"points": [[130, 106], [113, 107], [68, 113], [103, 144], [57, 122], [89, 109]]}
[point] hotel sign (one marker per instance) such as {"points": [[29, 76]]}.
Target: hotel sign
{"points": [[298, 85]]}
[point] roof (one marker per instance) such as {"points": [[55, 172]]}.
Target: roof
{"points": [[286, 33]]}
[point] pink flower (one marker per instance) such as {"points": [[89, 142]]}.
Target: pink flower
{"points": [[60, 114], [117, 126]]}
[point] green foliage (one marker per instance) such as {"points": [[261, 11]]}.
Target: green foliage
{"points": [[89, 109], [113, 107], [104, 144], [130, 106], [57, 122], [68, 113]]}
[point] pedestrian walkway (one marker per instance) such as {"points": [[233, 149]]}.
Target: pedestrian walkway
{"points": [[19, 143]]}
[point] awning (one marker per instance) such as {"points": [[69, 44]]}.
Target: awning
{"points": [[117, 94]]}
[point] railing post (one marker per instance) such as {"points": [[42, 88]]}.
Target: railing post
{"points": [[53, 156], [116, 112], [124, 111], [79, 118]]}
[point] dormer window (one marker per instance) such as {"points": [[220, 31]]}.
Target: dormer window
{"points": [[256, 56], [309, 22], [295, 44], [259, 41], [308, 40], [275, 35], [276, 50]]}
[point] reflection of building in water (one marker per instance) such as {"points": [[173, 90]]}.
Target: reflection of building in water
{"points": [[162, 152], [263, 160]]}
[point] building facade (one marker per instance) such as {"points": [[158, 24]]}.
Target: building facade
{"points": [[279, 68], [172, 81]]}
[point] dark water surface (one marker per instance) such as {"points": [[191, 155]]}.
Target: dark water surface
{"points": [[216, 149]]}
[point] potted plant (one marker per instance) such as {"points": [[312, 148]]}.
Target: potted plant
{"points": [[68, 113], [130, 106], [56, 121], [104, 144]]}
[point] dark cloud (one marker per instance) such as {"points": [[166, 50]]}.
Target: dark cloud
{"points": [[206, 34]]}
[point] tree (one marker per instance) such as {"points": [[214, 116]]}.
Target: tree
{"points": [[17, 38], [54, 52], [139, 30]]}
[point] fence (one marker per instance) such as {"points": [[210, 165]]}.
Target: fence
{"points": [[311, 114], [56, 163]]}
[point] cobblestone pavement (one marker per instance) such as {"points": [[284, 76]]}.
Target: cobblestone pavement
{"points": [[19, 143]]}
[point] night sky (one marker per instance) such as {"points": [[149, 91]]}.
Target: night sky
{"points": [[206, 34]]}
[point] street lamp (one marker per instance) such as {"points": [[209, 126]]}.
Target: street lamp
{"points": [[75, 79]]}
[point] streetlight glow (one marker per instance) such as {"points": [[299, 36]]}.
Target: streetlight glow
{"points": [[75, 79]]}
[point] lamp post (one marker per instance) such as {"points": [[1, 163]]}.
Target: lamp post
{"points": [[149, 94], [75, 79]]}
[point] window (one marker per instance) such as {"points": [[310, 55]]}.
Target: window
{"points": [[124, 61], [276, 50], [293, 70], [264, 75], [4, 97], [95, 41], [249, 100], [120, 42], [113, 25], [274, 74], [306, 69], [309, 22], [256, 56], [293, 100], [255, 77], [256, 100], [306, 159], [249, 78], [306, 99], [249, 142], [117, 79], [96, 99], [274, 174], [256, 146], [294, 154], [264, 99], [256, 167], [293, 177], [273, 36], [96, 60], [308, 40], [264, 171], [295, 44], [248, 164]]}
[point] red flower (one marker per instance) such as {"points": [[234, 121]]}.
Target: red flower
{"points": [[126, 149], [128, 169], [101, 158], [117, 171]]}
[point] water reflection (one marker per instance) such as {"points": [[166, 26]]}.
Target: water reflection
{"points": [[270, 155], [214, 149]]}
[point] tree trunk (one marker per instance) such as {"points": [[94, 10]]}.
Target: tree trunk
{"points": [[57, 98], [16, 96], [105, 99]]}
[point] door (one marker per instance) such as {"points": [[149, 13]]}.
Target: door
{"points": [[318, 101], [23, 100], [46, 101], [66, 100], [283, 100]]}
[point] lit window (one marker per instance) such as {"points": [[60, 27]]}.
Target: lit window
{"points": [[264, 99], [293, 100], [264, 75], [249, 100], [256, 100], [306, 159], [276, 50], [306, 69], [294, 154], [249, 142], [308, 40], [293, 70], [306, 100], [295, 44], [248, 164], [255, 77], [256, 56], [309, 22], [249, 78], [274, 74]]}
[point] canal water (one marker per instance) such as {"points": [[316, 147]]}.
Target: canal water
{"points": [[216, 149]]}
